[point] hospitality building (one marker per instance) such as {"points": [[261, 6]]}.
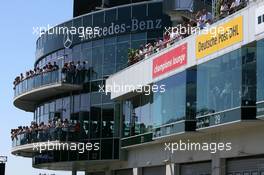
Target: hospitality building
{"points": [[194, 107]]}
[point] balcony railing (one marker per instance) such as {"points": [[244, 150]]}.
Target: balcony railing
{"points": [[48, 78], [63, 134]]}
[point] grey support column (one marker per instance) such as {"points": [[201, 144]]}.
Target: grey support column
{"points": [[170, 169], [218, 166], [137, 171]]}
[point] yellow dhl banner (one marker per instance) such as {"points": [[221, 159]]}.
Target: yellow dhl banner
{"points": [[219, 37]]}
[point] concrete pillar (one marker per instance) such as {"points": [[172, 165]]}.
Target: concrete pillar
{"points": [[218, 166], [74, 172], [137, 171], [170, 169]]}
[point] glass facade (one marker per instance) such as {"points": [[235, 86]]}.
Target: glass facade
{"points": [[97, 117], [226, 87], [260, 78], [160, 112], [137, 116], [170, 106], [218, 91], [174, 109], [109, 150], [219, 84], [122, 20]]}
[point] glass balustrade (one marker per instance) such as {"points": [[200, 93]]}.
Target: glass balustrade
{"points": [[64, 134], [49, 78]]}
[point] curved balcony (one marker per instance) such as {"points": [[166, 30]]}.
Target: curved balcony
{"points": [[59, 148], [32, 91], [108, 155], [25, 143]]}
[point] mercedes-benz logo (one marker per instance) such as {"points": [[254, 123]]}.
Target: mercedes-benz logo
{"points": [[67, 40]]}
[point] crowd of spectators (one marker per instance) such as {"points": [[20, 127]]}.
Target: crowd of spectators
{"points": [[71, 72], [36, 71], [228, 7], [202, 20], [74, 73], [172, 35], [54, 130]]}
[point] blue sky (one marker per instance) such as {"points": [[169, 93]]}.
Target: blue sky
{"points": [[17, 49]]}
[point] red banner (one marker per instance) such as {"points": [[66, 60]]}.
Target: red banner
{"points": [[169, 61]]}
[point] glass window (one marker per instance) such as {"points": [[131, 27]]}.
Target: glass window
{"points": [[124, 13], [153, 36], [169, 106], [87, 45], [123, 38], [117, 119], [66, 108], [109, 41], [87, 20], [219, 84], [260, 70], [138, 40], [106, 98], [85, 102], [98, 19], [95, 121], [139, 11], [146, 122], [58, 105], [134, 117], [126, 118], [107, 149], [122, 55], [98, 43], [259, 20], [51, 109], [107, 120], [155, 10], [109, 59], [76, 54], [249, 75], [110, 15], [76, 101], [46, 108], [97, 60], [137, 115], [96, 86], [87, 56], [96, 98]]}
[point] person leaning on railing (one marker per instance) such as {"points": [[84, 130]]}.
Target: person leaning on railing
{"points": [[54, 130], [36, 71], [74, 73]]}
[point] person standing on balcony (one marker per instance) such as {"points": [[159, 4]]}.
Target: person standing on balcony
{"points": [[78, 72]]}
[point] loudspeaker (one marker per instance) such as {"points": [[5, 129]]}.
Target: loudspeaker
{"points": [[2, 169]]}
